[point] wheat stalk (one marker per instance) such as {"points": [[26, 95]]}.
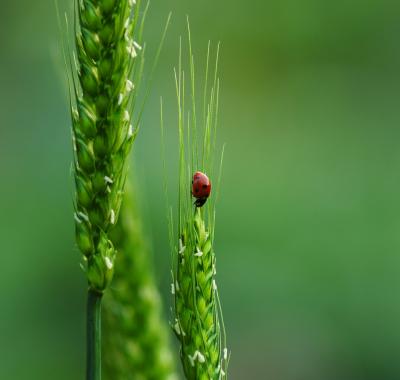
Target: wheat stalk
{"points": [[198, 322], [135, 338], [103, 94]]}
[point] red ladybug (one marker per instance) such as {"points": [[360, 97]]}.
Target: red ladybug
{"points": [[201, 188]]}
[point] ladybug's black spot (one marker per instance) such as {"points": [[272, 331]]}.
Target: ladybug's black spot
{"points": [[196, 190], [204, 186], [192, 182]]}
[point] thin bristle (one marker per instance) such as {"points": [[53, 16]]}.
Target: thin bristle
{"points": [[195, 160], [153, 68]]}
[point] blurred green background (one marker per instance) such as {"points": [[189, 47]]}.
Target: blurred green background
{"points": [[308, 241]]}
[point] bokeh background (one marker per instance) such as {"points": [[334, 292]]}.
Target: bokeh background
{"points": [[308, 239]]}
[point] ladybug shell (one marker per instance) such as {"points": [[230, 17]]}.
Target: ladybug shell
{"points": [[201, 186]]}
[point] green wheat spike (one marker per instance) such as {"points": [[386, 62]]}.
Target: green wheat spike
{"points": [[198, 322], [135, 338], [102, 128], [103, 70]]}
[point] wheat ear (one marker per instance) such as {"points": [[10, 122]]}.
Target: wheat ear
{"points": [[102, 129], [135, 337], [197, 316], [198, 321], [102, 138]]}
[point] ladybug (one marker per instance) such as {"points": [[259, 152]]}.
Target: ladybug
{"points": [[201, 188]]}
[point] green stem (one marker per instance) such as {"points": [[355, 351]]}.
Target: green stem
{"points": [[93, 331]]}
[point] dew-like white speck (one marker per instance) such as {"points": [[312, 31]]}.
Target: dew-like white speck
{"points": [[131, 50], [177, 328], [130, 130], [198, 253], [108, 179], [137, 46], [126, 36], [129, 85], [196, 356], [181, 247], [120, 98], [108, 262], [200, 357], [191, 360], [83, 216]]}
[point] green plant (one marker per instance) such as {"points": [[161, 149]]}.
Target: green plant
{"points": [[103, 134], [135, 338], [198, 321]]}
